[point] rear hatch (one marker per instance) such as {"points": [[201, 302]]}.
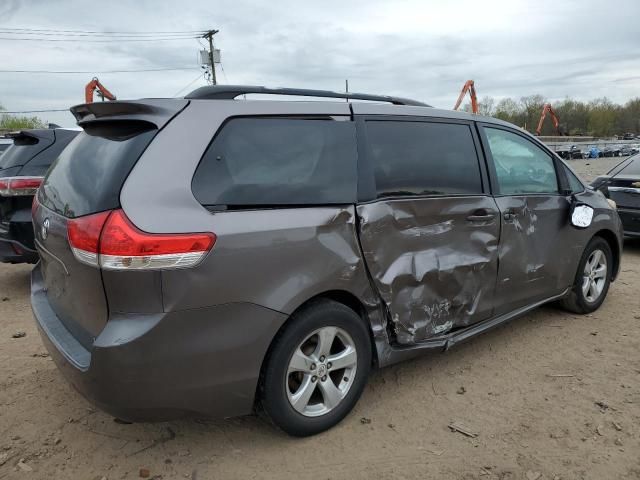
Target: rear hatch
{"points": [[25, 163], [84, 180]]}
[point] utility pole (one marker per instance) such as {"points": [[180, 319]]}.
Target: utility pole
{"points": [[209, 36]]}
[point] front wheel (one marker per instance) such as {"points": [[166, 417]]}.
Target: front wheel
{"points": [[316, 369], [593, 278]]}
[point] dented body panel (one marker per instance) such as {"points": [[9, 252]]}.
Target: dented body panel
{"points": [[537, 254], [434, 266]]}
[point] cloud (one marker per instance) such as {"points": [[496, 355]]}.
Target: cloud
{"points": [[420, 49]]}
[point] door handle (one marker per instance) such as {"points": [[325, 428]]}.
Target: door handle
{"points": [[481, 215], [479, 218]]}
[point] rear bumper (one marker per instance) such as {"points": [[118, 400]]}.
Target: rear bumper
{"points": [[162, 366], [14, 251], [16, 239]]}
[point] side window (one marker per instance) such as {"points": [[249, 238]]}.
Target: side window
{"points": [[423, 158], [279, 161], [521, 166], [575, 184]]}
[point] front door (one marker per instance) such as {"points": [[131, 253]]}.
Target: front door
{"points": [[429, 232], [535, 231]]}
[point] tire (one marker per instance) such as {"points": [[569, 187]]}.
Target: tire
{"points": [[286, 380], [579, 301]]}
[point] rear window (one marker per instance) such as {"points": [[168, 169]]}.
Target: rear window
{"points": [[88, 175], [278, 161], [24, 149], [47, 156]]}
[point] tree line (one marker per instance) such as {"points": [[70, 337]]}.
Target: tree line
{"points": [[599, 118], [19, 122]]}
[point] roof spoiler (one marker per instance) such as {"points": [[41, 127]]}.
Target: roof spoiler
{"points": [[154, 111], [31, 136]]}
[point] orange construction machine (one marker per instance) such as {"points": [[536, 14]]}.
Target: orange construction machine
{"points": [[547, 108], [468, 87], [95, 85]]}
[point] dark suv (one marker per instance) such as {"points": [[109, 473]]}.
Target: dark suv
{"points": [[22, 168], [206, 255]]}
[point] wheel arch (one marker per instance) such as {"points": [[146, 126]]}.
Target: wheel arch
{"points": [[612, 240], [347, 299], [344, 297]]}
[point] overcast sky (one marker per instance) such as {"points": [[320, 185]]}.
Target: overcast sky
{"points": [[421, 49]]}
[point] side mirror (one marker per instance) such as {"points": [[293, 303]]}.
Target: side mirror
{"points": [[601, 184], [581, 215]]}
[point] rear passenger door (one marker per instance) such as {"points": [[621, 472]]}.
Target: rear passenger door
{"points": [[535, 238], [427, 224]]}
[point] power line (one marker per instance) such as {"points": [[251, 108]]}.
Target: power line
{"points": [[73, 35], [224, 73], [96, 32], [111, 40], [100, 72], [2, 112], [187, 85]]}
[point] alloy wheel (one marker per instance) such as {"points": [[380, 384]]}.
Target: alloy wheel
{"points": [[321, 371], [594, 276]]}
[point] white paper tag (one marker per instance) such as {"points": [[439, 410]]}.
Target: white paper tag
{"points": [[582, 216]]}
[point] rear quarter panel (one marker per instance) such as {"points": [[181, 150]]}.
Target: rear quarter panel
{"points": [[276, 258]]}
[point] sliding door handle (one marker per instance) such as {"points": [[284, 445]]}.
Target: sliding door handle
{"points": [[481, 215], [480, 218]]}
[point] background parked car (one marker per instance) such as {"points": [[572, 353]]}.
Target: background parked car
{"points": [[622, 185], [627, 150], [611, 151], [569, 152], [592, 152], [22, 168]]}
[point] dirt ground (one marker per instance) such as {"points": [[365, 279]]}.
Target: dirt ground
{"points": [[551, 395]]}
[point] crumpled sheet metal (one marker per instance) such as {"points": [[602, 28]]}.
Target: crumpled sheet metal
{"points": [[433, 270]]}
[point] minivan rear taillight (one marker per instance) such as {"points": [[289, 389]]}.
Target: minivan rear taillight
{"points": [[19, 186], [109, 240]]}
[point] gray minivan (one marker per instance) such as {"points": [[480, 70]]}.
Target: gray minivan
{"points": [[207, 255]]}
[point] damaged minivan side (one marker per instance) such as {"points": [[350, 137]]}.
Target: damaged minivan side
{"points": [[214, 256]]}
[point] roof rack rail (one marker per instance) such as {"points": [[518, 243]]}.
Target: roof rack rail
{"points": [[229, 92]]}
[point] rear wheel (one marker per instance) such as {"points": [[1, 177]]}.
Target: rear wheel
{"points": [[592, 280], [317, 369]]}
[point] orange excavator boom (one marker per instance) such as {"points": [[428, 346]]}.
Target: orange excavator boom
{"points": [[548, 109], [469, 86], [94, 85]]}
